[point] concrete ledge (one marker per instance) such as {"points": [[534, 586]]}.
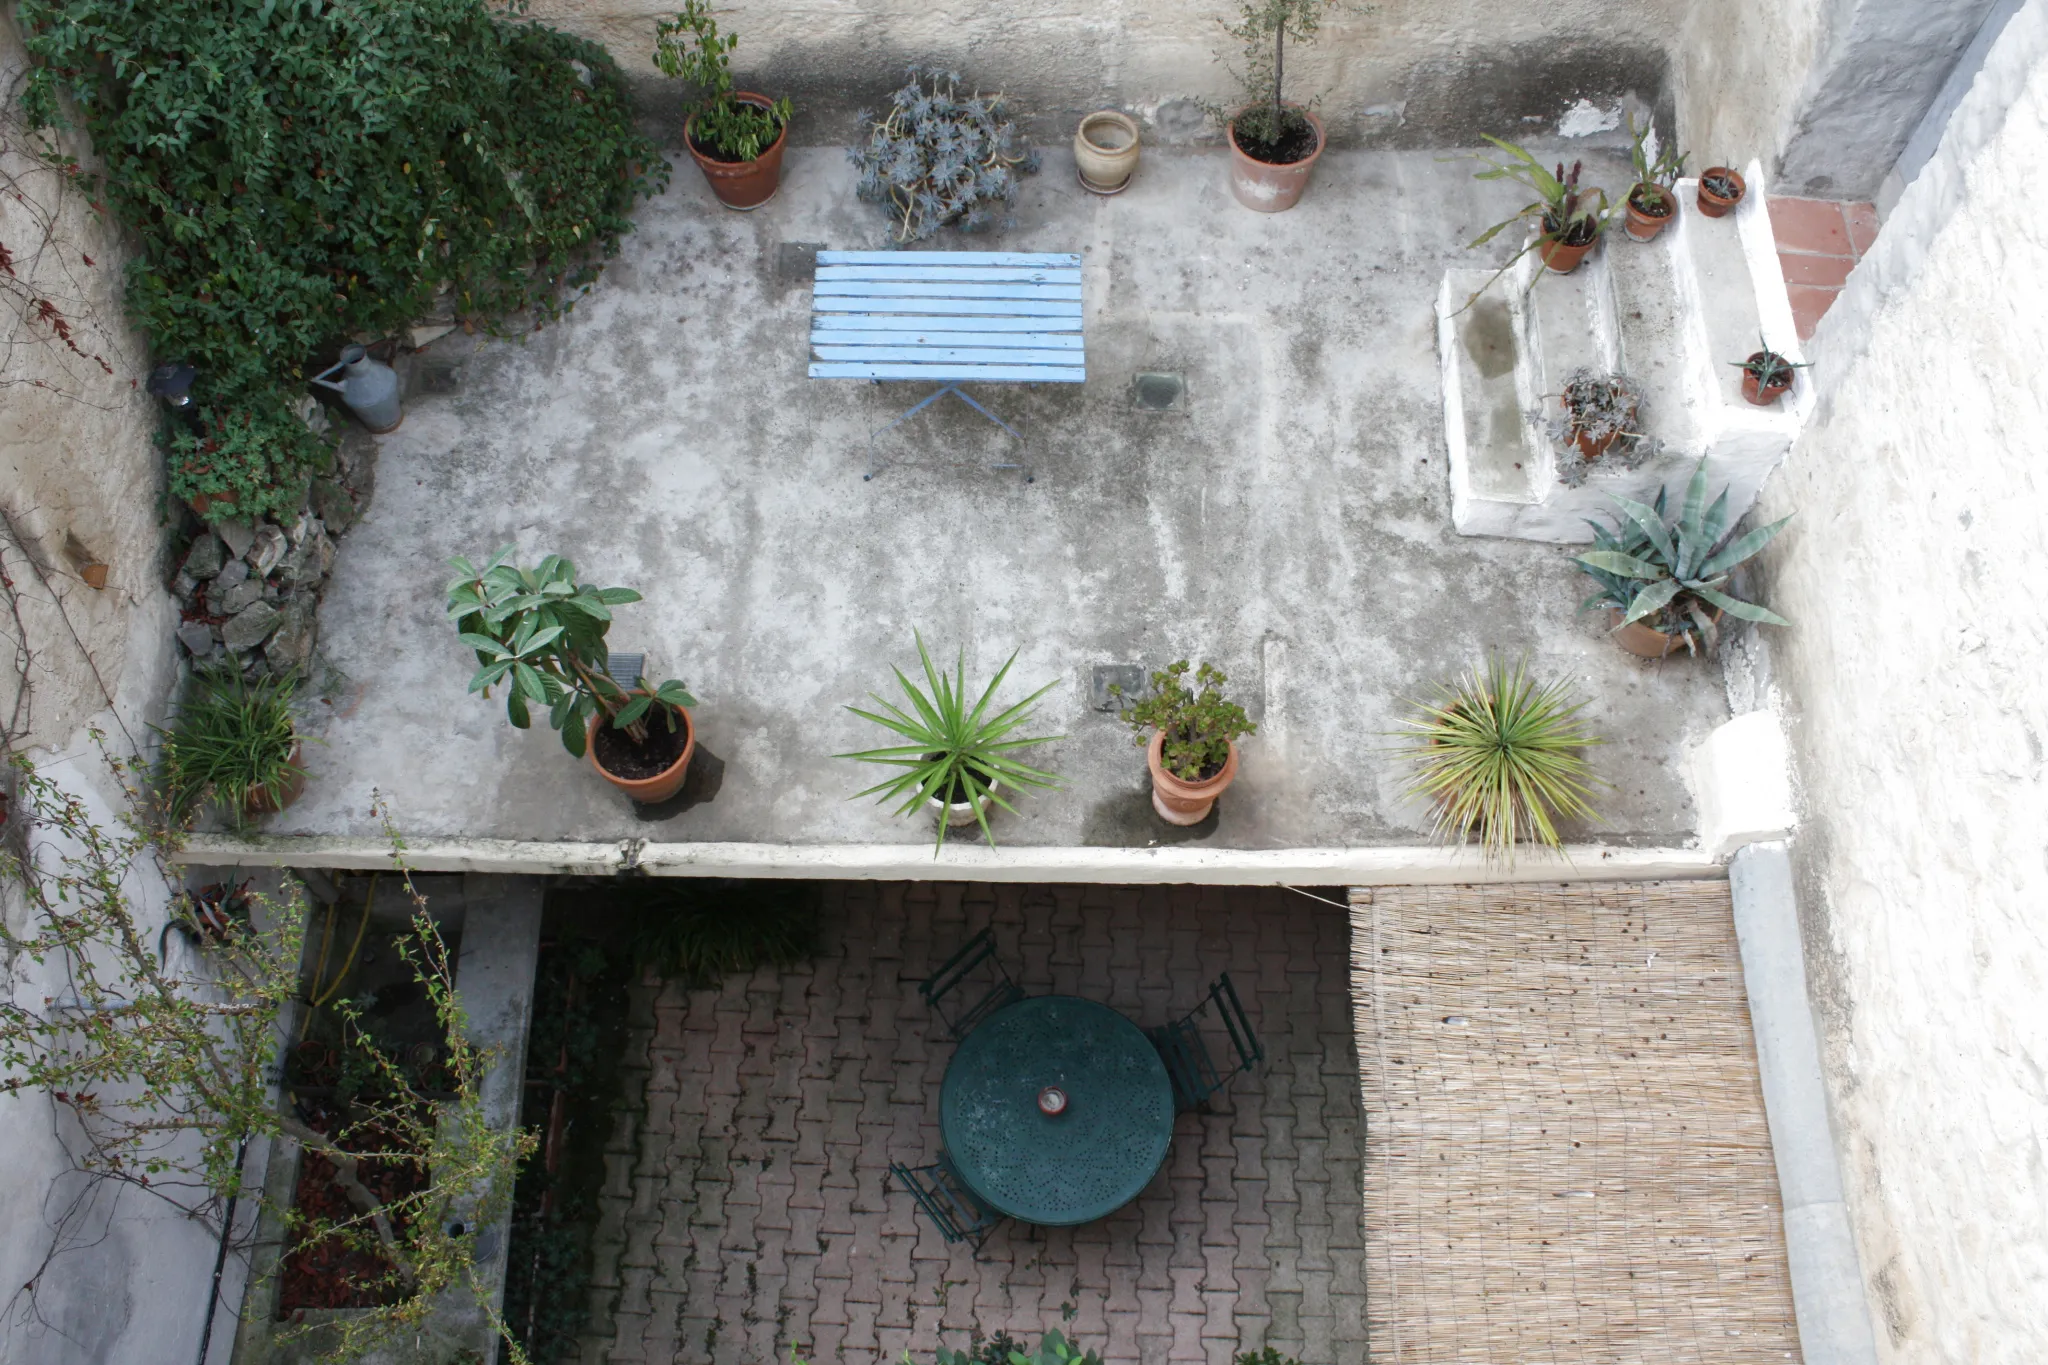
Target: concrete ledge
{"points": [[1390, 866]]}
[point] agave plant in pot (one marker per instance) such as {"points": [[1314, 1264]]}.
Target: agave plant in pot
{"points": [[1500, 756], [1273, 144], [735, 136], [542, 634], [1190, 738], [1567, 215], [1652, 202], [957, 757], [1664, 583], [1766, 375]]}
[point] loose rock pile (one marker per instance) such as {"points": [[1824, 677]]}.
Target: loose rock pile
{"points": [[248, 594]]}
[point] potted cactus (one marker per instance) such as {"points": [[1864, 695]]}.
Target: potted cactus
{"points": [[1665, 583], [1189, 735], [542, 634], [735, 136]]}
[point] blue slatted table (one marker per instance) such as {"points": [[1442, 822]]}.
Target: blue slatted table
{"points": [[949, 317]]}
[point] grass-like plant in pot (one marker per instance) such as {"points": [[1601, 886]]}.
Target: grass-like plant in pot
{"points": [[735, 136], [231, 741], [1568, 216], [1500, 756], [1651, 202], [940, 157], [542, 634], [1190, 738], [1664, 583], [956, 757], [1273, 144]]}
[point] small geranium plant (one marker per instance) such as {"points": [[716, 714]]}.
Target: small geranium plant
{"points": [[1197, 722]]}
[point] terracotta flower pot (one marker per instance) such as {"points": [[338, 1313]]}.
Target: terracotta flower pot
{"points": [[741, 185], [259, 802], [1644, 227], [1647, 642], [1185, 803], [1264, 187], [1106, 151], [203, 503], [1716, 205], [664, 784], [1593, 447], [1562, 256], [1761, 394]]}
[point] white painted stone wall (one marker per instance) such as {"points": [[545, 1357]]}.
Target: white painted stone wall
{"points": [[1915, 678]]}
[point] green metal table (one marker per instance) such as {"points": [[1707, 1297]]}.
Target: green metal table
{"points": [[1075, 1166]]}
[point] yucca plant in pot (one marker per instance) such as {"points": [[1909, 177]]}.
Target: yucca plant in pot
{"points": [[542, 634], [232, 741], [956, 756], [1664, 583], [1190, 738], [736, 137], [1568, 216], [1500, 757]]}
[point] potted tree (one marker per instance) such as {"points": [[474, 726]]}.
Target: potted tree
{"points": [[735, 136], [1273, 144], [1189, 735], [956, 756], [1664, 583], [1721, 189], [542, 634], [1766, 375], [1599, 410], [232, 741], [1568, 216], [1651, 202], [1499, 755]]}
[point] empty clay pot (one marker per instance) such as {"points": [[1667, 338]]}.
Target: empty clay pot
{"points": [[1106, 150]]}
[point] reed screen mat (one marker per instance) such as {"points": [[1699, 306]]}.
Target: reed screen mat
{"points": [[1566, 1156]]}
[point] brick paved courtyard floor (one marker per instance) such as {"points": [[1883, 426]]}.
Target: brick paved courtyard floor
{"points": [[746, 1212]]}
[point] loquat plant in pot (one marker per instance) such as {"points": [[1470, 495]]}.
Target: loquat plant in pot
{"points": [[1190, 736], [541, 634]]}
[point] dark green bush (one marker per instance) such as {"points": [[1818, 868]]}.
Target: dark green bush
{"points": [[296, 172], [700, 930]]}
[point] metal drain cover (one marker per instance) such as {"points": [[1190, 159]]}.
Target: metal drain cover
{"points": [[1158, 392]]}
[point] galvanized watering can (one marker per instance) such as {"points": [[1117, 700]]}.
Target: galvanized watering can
{"points": [[370, 388]]}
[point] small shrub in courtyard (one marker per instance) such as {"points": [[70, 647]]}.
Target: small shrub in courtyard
{"points": [[1198, 723], [940, 157]]}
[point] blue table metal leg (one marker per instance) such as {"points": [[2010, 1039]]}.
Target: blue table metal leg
{"points": [[954, 389]]}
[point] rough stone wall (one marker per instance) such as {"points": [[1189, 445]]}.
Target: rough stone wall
{"points": [[1740, 71], [1399, 73], [1913, 677]]}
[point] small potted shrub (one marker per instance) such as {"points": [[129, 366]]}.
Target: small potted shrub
{"points": [[1189, 735], [231, 741], [1273, 144], [1721, 189], [1500, 756], [1599, 410], [1664, 583], [736, 137], [1766, 375], [940, 157], [956, 756], [1651, 202], [542, 634], [1568, 216]]}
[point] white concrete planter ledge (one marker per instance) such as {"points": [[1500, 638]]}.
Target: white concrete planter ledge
{"points": [[1387, 866]]}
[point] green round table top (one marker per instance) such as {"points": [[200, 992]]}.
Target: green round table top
{"points": [[1068, 1168]]}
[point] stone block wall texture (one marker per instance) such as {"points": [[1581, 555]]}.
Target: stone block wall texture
{"points": [[1912, 676]]}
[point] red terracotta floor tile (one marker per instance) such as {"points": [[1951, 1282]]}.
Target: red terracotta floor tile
{"points": [[1827, 271], [1809, 225], [1862, 221], [1809, 302]]}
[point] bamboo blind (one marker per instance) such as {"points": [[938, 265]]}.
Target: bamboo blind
{"points": [[1566, 1154]]}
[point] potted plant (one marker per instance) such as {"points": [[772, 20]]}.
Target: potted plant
{"points": [[735, 136], [1651, 202], [1273, 144], [1664, 583], [1568, 216], [1106, 151], [1721, 189], [940, 157], [1599, 410], [956, 756], [542, 634], [232, 741], [1500, 756], [1766, 375], [1189, 735]]}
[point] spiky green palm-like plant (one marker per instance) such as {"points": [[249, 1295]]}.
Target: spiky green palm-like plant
{"points": [[1499, 755]]}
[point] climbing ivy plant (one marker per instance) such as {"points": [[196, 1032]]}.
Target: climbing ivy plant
{"points": [[298, 171]]}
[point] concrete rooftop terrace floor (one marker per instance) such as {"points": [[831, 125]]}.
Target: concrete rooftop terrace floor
{"points": [[1288, 521]]}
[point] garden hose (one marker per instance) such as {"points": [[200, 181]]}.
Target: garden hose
{"points": [[321, 997]]}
